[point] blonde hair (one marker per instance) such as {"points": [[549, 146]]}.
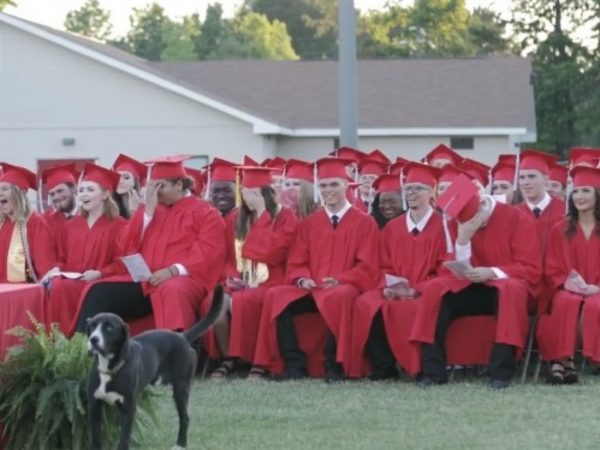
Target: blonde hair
{"points": [[306, 204], [110, 210], [23, 207]]}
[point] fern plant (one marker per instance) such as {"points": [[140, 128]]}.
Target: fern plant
{"points": [[43, 399]]}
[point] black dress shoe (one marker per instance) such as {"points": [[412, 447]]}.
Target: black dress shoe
{"points": [[334, 375], [290, 375], [499, 384], [427, 382], [389, 373]]}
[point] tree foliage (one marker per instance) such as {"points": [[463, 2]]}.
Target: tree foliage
{"points": [[90, 20], [5, 3]]}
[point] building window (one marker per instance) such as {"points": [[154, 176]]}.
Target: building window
{"points": [[462, 143], [336, 143]]}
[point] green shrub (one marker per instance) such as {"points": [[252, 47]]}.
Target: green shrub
{"points": [[43, 399]]}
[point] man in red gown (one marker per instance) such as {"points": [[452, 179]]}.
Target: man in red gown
{"points": [[182, 240], [334, 259], [496, 240]]}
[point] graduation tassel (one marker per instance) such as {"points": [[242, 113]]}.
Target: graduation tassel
{"points": [[370, 198], [238, 193], [447, 237], [488, 187], [516, 176], [568, 192], [402, 193], [40, 196], [315, 187], [207, 188]]}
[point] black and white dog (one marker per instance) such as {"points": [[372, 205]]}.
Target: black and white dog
{"points": [[123, 366]]}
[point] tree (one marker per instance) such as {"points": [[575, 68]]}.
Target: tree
{"points": [[546, 29], [312, 24], [213, 32], [146, 36], [487, 32], [5, 3], [90, 20], [261, 39], [179, 41]]}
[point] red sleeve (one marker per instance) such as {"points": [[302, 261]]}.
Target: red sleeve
{"points": [[41, 245], [269, 240], [298, 265], [557, 261], [115, 266], [365, 273]]}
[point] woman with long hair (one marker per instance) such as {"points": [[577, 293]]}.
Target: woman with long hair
{"points": [[26, 247], [88, 246], [298, 189], [127, 194], [263, 235], [572, 261]]}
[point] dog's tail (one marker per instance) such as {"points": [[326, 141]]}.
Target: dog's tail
{"points": [[209, 320]]}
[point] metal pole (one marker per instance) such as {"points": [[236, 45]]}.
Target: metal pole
{"points": [[347, 66]]}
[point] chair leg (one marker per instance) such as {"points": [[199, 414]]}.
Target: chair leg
{"points": [[529, 348], [538, 367]]}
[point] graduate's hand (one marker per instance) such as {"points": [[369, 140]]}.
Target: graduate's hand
{"points": [[133, 200], [51, 273], [591, 289], [329, 282], [308, 284], [160, 276], [410, 294], [466, 230], [91, 275], [254, 201], [235, 284], [480, 275], [396, 291], [151, 196]]}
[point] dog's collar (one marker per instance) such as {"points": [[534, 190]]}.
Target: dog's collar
{"points": [[114, 369]]}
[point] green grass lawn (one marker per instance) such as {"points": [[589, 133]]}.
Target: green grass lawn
{"points": [[250, 414]]}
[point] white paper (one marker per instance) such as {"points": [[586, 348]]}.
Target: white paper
{"points": [[137, 267], [69, 275], [575, 283], [392, 280], [458, 268]]}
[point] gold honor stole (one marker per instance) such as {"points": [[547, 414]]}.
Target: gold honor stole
{"points": [[15, 260], [252, 272]]}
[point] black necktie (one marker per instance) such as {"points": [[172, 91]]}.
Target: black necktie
{"points": [[415, 231], [536, 212], [334, 221]]}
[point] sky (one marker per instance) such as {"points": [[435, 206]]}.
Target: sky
{"points": [[53, 12]]}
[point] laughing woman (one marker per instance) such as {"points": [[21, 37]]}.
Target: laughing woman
{"points": [[264, 232], [572, 264], [88, 245], [26, 248], [127, 194]]}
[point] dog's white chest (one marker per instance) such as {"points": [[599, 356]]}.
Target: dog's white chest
{"points": [[109, 397]]}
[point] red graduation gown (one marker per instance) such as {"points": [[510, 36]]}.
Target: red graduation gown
{"points": [[416, 258], [552, 214], [190, 232], [82, 248], [505, 242], [349, 254], [57, 222], [557, 331], [41, 245]]}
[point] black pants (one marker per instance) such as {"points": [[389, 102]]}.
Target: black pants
{"points": [[475, 300], [293, 357], [378, 347], [125, 299]]}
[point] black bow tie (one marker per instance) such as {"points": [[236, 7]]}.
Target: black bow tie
{"points": [[415, 231], [536, 212], [334, 221]]}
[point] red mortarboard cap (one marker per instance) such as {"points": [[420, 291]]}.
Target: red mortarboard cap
{"points": [[125, 163], [476, 170], [198, 176], [584, 155], [276, 163], [503, 171], [558, 173], [168, 167], [368, 166], [249, 162], [378, 155], [461, 200], [535, 160], [387, 183], [348, 153], [450, 172], [443, 152], [421, 173], [508, 159], [221, 170], [56, 175], [17, 175], [302, 170], [585, 176], [332, 168], [255, 176], [104, 177], [396, 168]]}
